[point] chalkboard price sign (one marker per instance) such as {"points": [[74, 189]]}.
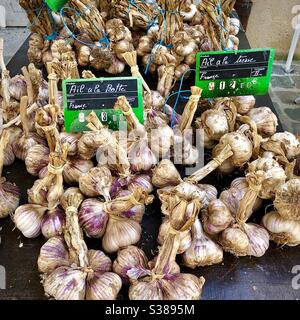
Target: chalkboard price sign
{"points": [[234, 73], [100, 95]]}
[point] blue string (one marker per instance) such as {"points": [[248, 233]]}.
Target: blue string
{"points": [[104, 40]]}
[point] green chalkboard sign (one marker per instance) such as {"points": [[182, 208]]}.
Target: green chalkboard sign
{"points": [[83, 96], [234, 73], [56, 5]]}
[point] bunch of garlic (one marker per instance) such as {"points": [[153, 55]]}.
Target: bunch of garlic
{"points": [[161, 282], [70, 270]]}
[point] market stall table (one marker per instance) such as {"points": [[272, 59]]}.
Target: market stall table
{"points": [[269, 277]]}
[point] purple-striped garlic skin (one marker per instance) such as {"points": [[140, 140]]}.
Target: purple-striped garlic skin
{"points": [[9, 198], [53, 223]]}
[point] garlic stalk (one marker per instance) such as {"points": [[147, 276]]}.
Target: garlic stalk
{"points": [[28, 139], [203, 251]]}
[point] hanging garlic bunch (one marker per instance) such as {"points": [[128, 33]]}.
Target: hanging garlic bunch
{"points": [[140, 156], [202, 251], [287, 199], [265, 120], [70, 270], [97, 181], [117, 221], [9, 192], [282, 231], [28, 139]]}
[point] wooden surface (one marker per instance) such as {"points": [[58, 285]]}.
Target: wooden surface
{"points": [[251, 278]]}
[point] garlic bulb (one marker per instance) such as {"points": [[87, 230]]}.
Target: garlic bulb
{"points": [[211, 194], [273, 175], [28, 219], [53, 223], [185, 237], [153, 100], [75, 168], [235, 241], [72, 139], [9, 198], [53, 254], [203, 251], [282, 231], [130, 257], [97, 181], [142, 181], [288, 142], [120, 233], [241, 147], [92, 218], [258, 239], [37, 158], [265, 120], [233, 196], [165, 174], [216, 218], [287, 200], [116, 66], [244, 104], [17, 87]]}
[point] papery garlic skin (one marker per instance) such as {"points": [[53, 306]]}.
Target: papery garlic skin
{"points": [[9, 198], [179, 286], [92, 218], [211, 194], [53, 223], [28, 219], [265, 120], [287, 200], [37, 159], [282, 231], [72, 139], [258, 239], [290, 143], [53, 254], [203, 251], [75, 168], [141, 181], [165, 174], [21, 146], [120, 233]]}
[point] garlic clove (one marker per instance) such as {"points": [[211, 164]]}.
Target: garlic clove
{"points": [[92, 218], [258, 239], [235, 241], [53, 254], [120, 234], [65, 283], [282, 231], [103, 286], [28, 219], [287, 200], [53, 223]]}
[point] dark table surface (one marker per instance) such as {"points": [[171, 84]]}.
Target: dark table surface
{"points": [[269, 277]]}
